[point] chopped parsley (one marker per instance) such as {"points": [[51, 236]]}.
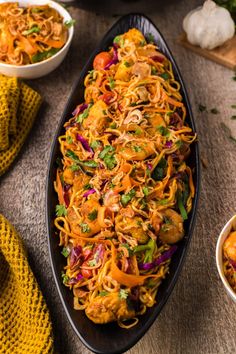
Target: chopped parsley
{"points": [[34, 29], [103, 293], [84, 227], [123, 294], [40, 56], [119, 40], [163, 130], [92, 263], [75, 167], [165, 76], [93, 215], [138, 131], [145, 191], [214, 111], [61, 210], [159, 171], [83, 115], [202, 108], [137, 148], [69, 23], [111, 83], [65, 252], [153, 70], [65, 278], [95, 144], [69, 139], [113, 125], [108, 156], [150, 38], [127, 64], [126, 198], [87, 186], [142, 43]]}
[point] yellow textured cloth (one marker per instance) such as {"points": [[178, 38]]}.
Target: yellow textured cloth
{"points": [[25, 326], [15, 98]]}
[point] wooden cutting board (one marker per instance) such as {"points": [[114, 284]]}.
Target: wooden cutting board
{"points": [[224, 55]]}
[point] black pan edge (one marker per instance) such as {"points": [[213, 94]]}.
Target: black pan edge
{"points": [[115, 345]]}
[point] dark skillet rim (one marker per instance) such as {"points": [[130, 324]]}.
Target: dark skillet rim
{"points": [[192, 222]]}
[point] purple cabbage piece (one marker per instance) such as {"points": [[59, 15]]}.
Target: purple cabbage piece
{"points": [[75, 255], [99, 252], [158, 58], [90, 191], [66, 188], [149, 166], [168, 144], [75, 280], [84, 143], [233, 263], [114, 59], [164, 257], [79, 109]]}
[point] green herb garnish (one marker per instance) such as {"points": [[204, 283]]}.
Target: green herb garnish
{"points": [[69, 23], [108, 156], [69, 139], [137, 148], [111, 83], [126, 198], [92, 263], [95, 144], [163, 130], [40, 56], [127, 64], [61, 210], [145, 191], [65, 278], [93, 215], [123, 294], [84, 227], [153, 70], [65, 252], [202, 108], [103, 293], [165, 76], [83, 115], [150, 38], [181, 206], [34, 29]]}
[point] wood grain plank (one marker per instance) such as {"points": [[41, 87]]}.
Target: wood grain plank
{"points": [[224, 55]]}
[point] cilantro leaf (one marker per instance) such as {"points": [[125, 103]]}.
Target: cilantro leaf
{"points": [[165, 76], [163, 130], [103, 293], [70, 23], [84, 227], [126, 198], [111, 83], [65, 252], [145, 191], [34, 29], [65, 278], [40, 56], [61, 210], [93, 215]]}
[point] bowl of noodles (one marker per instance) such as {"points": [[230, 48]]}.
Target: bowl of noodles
{"points": [[35, 37], [122, 187], [226, 257]]}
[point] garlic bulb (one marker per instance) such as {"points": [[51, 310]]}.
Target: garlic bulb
{"points": [[209, 25]]}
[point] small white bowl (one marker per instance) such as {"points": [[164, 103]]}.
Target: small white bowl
{"points": [[231, 224], [33, 71]]}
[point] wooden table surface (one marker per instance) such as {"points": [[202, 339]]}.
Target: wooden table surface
{"points": [[199, 316]]}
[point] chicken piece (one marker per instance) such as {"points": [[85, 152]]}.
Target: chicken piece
{"points": [[156, 120], [135, 36], [172, 229], [88, 224], [68, 175], [137, 151], [104, 309], [229, 246], [124, 71], [131, 227], [97, 120], [142, 70]]}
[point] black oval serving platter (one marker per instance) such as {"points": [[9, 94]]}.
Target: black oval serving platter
{"points": [[110, 338]]}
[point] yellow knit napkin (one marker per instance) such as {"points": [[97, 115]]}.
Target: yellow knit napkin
{"points": [[25, 326], [20, 98]]}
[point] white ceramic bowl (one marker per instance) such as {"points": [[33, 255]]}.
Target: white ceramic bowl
{"points": [[33, 71], [231, 224]]}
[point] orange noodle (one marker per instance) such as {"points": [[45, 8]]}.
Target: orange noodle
{"points": [[124, 187]]}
